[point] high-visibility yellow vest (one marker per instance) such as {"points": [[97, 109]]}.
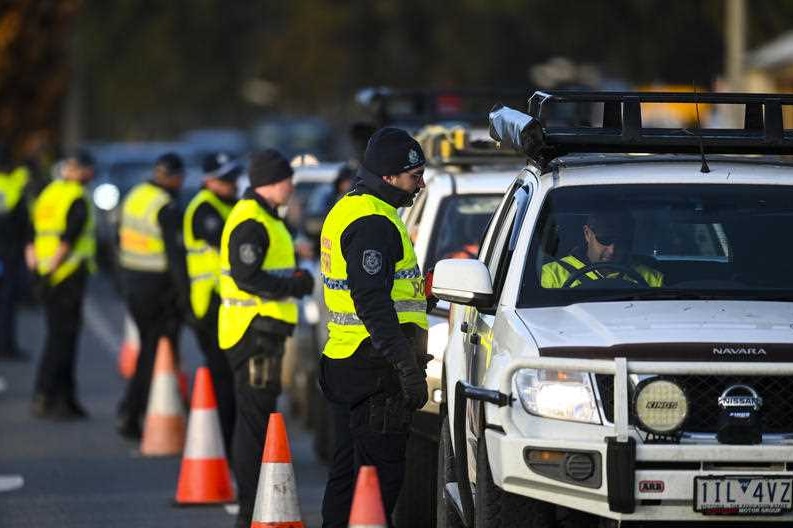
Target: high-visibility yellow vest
{"points": [[141, 242], [345, 329], [12, 187], [554, 275], [50, 213], [238, 307], [203, 260]]}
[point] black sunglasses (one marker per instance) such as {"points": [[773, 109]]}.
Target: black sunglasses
{"points": [[606, 240]]}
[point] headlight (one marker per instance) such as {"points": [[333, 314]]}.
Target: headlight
{"points": [[106, 196], [557, 394]]}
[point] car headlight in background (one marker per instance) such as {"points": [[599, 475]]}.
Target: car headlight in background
{"points": [[106, 196], [557, 394]]}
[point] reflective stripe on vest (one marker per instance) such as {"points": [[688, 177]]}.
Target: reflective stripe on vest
{"points": [[142, 245], [237, 307], [50, 214], [203, 260], [12, 187], [345, 329]]}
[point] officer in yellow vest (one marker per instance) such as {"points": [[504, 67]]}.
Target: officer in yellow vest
{"points": [[607, 240], [153, 277], [372, 368], [61, 255], [203, 226], [259, 282], [14, 226]]}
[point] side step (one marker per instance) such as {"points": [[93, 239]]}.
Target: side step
{"points": [[452, 494]]}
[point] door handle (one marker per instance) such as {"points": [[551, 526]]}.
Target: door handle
{"points": [[464, 327]]}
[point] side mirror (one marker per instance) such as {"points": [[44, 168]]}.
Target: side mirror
{"points": [[463, 281]]}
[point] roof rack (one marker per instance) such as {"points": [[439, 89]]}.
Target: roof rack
{"points": [[458, 146], [622, 131]]}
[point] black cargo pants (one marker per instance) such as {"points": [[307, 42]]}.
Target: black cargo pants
{"points": [[256, 363], [371, 425]]}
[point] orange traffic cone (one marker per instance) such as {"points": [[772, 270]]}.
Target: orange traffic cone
{"points": [[204, 477], [164, 430], [367, 503], [276, 495], [130, 348]]}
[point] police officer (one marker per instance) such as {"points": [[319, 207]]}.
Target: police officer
{"points": [[607, 239], [258, 284], [153, 277], [62, 255], [203, 226], [14, 224], [372, 368]]}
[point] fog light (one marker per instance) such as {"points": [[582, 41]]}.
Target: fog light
{"points": [[437, 395], [579, 466], [661, 406]]}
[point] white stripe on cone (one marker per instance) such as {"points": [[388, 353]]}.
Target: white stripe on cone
{"points": [[204, 439], [276, 495], [11, 482], [169, 402], [131, 334]]}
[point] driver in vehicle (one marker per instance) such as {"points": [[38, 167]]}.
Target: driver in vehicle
{"points": [[607, 240]]}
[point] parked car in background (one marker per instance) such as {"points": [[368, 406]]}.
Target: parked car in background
{"points": [[294, 136]]}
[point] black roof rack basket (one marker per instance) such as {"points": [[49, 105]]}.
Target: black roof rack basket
{"points": [[622, 129]]}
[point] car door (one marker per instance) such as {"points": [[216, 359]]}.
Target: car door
{"points": [[498, 245]]}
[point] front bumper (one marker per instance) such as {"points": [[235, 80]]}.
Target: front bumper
{"points": [[623, 493]]}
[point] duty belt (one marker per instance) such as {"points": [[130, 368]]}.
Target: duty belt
{"points": [[345, 318]]}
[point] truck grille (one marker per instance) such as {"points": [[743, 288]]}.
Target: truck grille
{"points": [[703, 394]]}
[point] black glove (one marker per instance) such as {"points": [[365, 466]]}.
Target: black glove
{"points": [[413, 381], [302, 283]]}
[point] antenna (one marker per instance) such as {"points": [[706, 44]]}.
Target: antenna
{"points": [[704, 169]]}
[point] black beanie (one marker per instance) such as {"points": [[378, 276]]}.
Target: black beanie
{"points": [[392, 151], [268, 167]]}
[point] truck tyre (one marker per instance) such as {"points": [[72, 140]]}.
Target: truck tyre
{"points": [[446, 513], [496, 508], [416, 504]]}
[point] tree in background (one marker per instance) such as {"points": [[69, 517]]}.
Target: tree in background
{"points": [[34, 75]]}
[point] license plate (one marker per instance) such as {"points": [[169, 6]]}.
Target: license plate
{"points": [[737, 495]]}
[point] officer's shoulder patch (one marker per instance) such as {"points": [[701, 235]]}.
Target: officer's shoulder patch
{"points": [[372, 261], [247, 253]]}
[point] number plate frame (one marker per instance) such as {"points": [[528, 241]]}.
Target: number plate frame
{"points": [[743, 509]]}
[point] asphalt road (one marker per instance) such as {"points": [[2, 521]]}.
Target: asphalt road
{"points": [[82, 474]]}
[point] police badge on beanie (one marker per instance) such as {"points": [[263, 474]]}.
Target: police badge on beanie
{"points": [[392, 151], [268, 167]]}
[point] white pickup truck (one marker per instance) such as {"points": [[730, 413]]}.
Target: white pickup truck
{"points": [[621, 351]]}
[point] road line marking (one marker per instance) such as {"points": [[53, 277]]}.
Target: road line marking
{"points": [[11, 482], [102, 328], [3, 385], [232, 509]]}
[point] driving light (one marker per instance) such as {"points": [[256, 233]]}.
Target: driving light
{"points": [[557, 394], [106, 196], [661, 406]]}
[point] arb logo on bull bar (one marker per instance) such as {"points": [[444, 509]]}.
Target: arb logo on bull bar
{"points": [[651, 486]]}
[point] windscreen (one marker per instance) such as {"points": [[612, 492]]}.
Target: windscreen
{"points": [[597, 243], [459, 225]]}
